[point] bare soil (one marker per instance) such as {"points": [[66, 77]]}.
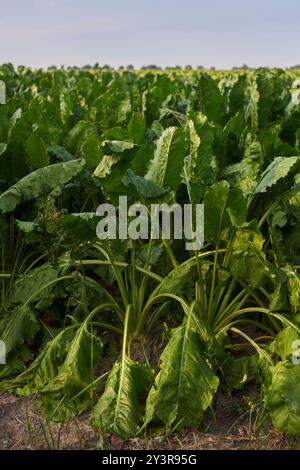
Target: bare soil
{"points": [[231, 425]]}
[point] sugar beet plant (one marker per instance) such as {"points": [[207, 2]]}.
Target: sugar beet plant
{"points": [[71, 304]]}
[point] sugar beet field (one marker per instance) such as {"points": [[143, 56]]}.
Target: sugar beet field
{"points": [[139, 342]]}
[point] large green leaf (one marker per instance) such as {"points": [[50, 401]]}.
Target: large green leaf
{"points": [[70, 391], [119, 410], [18, 326], [210, 98], [185, 386], [166, 166], [283, 397], [181, 277], [37, 151], [201, 165], [137, 127], [223, 208], [244, 174], [20, 323], [39, 183], [32, 281], [45, 367]]}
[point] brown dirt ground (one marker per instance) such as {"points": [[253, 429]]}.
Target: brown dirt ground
{"points": [[230, 426]]}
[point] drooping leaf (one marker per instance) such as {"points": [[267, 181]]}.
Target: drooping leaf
{"points": [[39, 183], [20, 322], [185, 386], [119, 410], [45, 367], [31, 282], [17, 327], [70, 391]]}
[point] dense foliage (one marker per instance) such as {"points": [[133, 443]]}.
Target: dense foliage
{"points": [[70, 140]]}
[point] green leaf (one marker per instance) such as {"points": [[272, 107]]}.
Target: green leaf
{"points": [[293, 288], [81, 225], [293, 199], [37, 151], [44, 368], [114, 168], [223, 208], [119, 410], [105, 166], [32, 281], [67, 395], [39, 183], [243, 175], [78, 135], [26, 226], [3, 148], [91, 151], [238, 371], [283, 397], [12, 368], [284, 343], [143, 187], [210, 98], [60, 152], [20, 324], [137, 127], [176, 280], [145, 257], [201, 165], [248, 262], [117, 146], [207, 162], [278, 169], [185, 386], [166, 166], [279, 219], [18, 327], [13, 121]]}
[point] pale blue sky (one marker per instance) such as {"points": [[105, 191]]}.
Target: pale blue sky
{"points": [[220, 33]]}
